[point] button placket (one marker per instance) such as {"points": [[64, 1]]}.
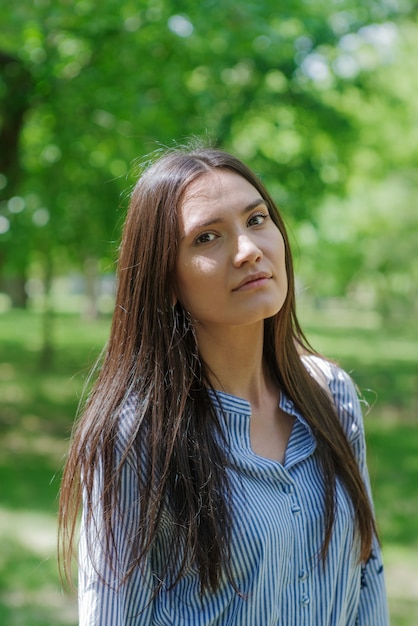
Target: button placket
{"points": [[304, 591], [304, 588], [302, 571]]}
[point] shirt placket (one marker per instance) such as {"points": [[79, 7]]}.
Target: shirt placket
{"points": [[301, 445], [299, 587]]}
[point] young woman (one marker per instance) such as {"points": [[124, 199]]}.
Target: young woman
{"points": [[220, 461]]}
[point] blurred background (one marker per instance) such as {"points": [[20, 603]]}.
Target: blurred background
{"points": [[320, 98]]}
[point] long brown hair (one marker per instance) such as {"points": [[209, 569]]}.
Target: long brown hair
{"points": [[181, 458]]}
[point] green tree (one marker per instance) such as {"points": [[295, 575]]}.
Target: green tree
{"points": [[110, 82], [369, 237]]}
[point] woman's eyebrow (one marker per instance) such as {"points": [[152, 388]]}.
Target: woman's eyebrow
{"points": [[220, 219]]}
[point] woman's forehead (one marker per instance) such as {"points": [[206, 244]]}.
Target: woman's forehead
{"points": [[217, 189]]}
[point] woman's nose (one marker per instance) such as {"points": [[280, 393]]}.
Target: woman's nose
{"points": [[246, 251]]}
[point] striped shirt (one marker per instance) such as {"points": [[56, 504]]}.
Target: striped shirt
{"points": [[277, 535]]}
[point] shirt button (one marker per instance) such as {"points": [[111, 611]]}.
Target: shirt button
{"points": [[303, 574], [295, 508], [305, 600], [288, 489]]}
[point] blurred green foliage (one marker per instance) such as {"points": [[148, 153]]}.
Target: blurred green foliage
{"points": [[318, 97]]}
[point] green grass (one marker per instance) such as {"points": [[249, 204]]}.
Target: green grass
{"points": [[36, 415]]}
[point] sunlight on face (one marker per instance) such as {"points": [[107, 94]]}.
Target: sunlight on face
{"points": [[230, 267]]}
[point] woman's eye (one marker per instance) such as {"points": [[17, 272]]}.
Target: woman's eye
{"points": [[257, 219], [204, 238]]}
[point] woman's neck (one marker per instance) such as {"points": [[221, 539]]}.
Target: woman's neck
{"points": [[234, 357]]}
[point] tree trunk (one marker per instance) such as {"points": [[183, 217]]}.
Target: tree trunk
{"points": [[15, 288], [91, 275], [47, 350]]}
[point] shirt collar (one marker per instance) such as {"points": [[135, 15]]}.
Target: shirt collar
{"points": [[234, 404]]}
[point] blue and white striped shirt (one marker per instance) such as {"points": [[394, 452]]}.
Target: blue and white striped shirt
{"points": [[277, 535]]}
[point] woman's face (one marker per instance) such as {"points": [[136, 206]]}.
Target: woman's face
{"points": [[230, 267]]}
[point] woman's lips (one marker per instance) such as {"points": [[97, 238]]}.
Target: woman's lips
{"points": [[253, 281]]}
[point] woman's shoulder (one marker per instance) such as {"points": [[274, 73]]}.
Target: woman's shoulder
{"points": [[342, 391], [323, 370]]}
